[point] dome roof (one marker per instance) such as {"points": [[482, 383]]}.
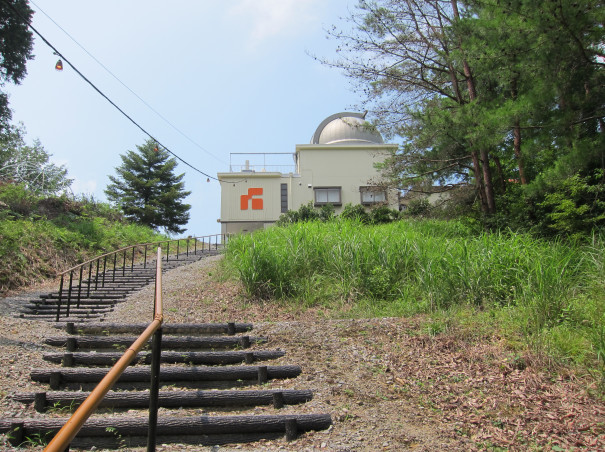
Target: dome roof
{"points": [[346, 128]]}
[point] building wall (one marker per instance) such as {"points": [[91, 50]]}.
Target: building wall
{"points": [[252, 200], [348, 167]]}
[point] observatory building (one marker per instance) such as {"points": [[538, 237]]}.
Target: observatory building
{"points": [[337, 167]]}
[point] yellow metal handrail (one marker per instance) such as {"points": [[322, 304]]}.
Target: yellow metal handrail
{"points": [[71, 428]]}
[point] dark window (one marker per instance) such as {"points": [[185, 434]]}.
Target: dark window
{"points": [[284, 198]]}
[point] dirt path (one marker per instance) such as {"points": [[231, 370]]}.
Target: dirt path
{"points": [[387, 384]]}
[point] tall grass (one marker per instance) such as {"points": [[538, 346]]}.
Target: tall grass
{"points": [[553, 290]]}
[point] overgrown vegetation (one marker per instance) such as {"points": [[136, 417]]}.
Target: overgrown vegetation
{"points": [[43, 235], [378, 215], [548, 292]]}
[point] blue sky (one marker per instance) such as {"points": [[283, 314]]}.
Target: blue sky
{"points": [[233, 75]]}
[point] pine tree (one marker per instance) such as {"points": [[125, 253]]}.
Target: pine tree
{"points": [[148, 191]]}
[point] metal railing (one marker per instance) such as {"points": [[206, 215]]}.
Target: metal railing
{"points": [[102, 270], [71, 428]]}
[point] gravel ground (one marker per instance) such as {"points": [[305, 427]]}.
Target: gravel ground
{"points": [[386, 383]]}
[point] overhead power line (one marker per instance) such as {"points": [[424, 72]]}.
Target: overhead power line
{"points": [[128, 88], [56, 51]]}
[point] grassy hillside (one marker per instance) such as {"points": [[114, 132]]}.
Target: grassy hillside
{"points": [[547, 294], [41, 236]]}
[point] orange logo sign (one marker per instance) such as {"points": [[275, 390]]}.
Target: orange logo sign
{"points": [[257, 204]]}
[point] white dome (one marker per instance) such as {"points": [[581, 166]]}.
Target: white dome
{"points": [[346, 128]]}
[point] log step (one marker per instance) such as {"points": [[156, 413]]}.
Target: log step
{"points": [[167, 374], [168, 342], [167, 328], [110, 358], [168, 399], [204, 430]]}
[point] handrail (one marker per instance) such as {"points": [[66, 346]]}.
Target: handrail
{"points": [[138, 245], [102, 271], [71, 428]]}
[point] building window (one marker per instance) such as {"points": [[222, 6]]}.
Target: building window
{"points": [[327, 195], [373, 195], [284, 198]]}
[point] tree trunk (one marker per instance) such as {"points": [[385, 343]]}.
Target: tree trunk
{"points": [[517, 149]]}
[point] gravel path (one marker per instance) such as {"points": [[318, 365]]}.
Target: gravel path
{"points": [[386, 383]]}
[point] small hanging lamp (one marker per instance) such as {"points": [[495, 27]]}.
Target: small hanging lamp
{"points": [[59, 65]]}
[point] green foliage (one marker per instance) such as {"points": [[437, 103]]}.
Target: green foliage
{"points": [[16, 48], [355, 212], [418, 207], [549, 292], [41, 236], [575, 206], [306, 212], [29, 165], [505, 92], [147, 190]]}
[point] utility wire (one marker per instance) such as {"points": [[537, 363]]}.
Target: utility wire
{"points": [[25, 20], [128, 88]]}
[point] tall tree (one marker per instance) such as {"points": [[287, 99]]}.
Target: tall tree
{"points": [[30, 165], [476, 88], [16, 44], [148, 191]]}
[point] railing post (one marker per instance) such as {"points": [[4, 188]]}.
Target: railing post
{"points": [[145, 257], [88, 282], [167, 251], [104, 269], [124, 264], [115, 261], [195, 246], [60, 297], [132, 262], [187, 246], [71, 277], [178, 245], [80, 285]]}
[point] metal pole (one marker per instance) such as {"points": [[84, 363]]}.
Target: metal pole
{"points": [[156, 352], [178, 243], [104, 268], [97, 274], [187, 246], [89, 276], [60, 297], [167, 251], [80, 285], [132, 262], [145, 258], [115, 260], [71, 277], [124, 264], [195, 246]]}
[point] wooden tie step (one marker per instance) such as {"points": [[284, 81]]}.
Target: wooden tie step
{"points": [[168, 399], [110, 358], [200, 430], [195, 357], [168, 342], [56, 377]]}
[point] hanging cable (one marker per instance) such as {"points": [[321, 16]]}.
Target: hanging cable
{"points": [[56, 51], [128, 88]]}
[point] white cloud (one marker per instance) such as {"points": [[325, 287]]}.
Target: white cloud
{"points": [[269, 19]]}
